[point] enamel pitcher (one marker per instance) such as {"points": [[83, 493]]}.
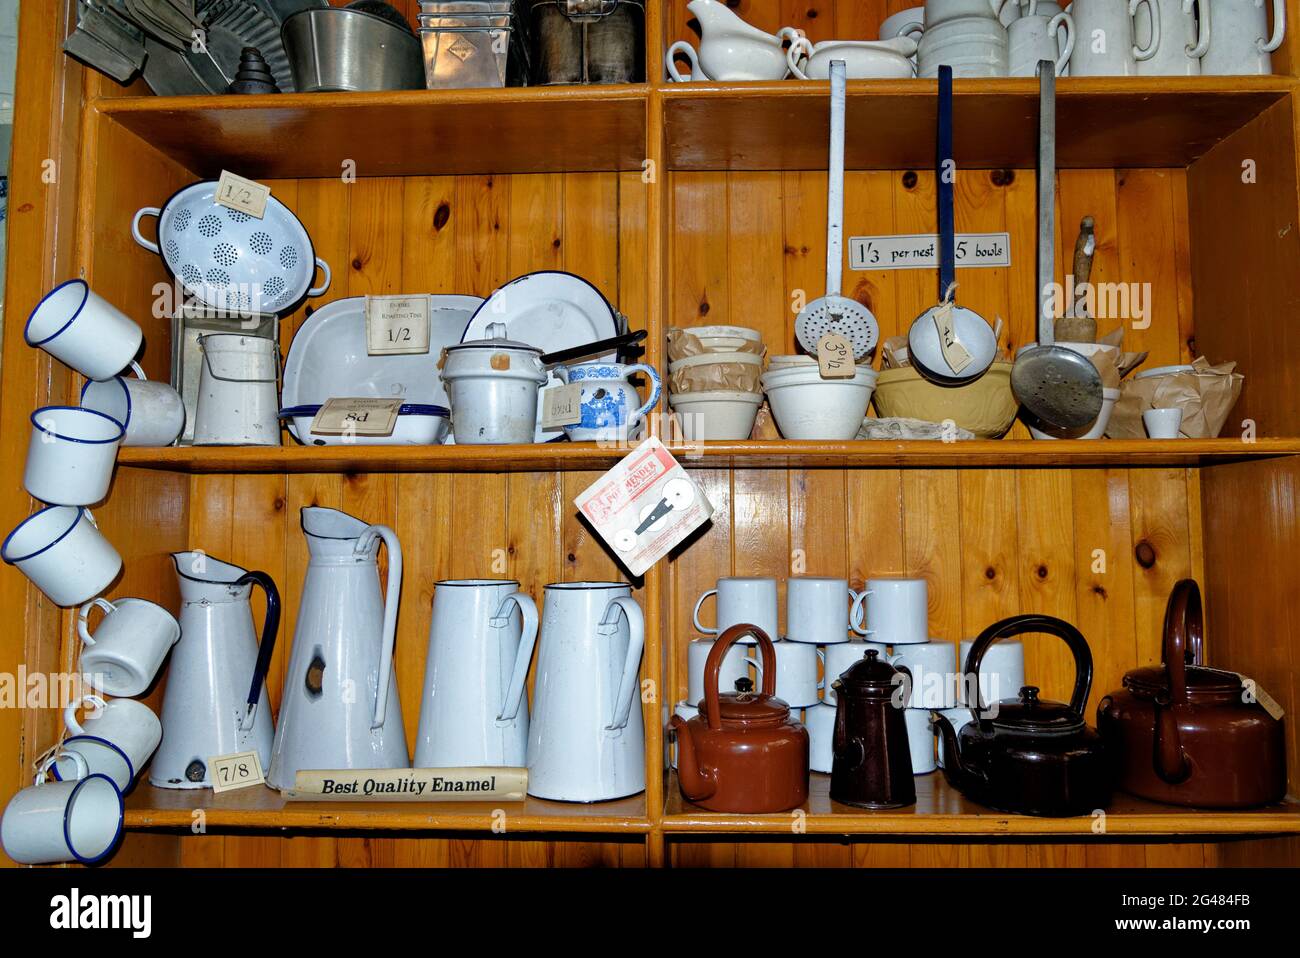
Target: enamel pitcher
{"points": [[215, 699], [340, 708], [480, 645], [586, 742]]}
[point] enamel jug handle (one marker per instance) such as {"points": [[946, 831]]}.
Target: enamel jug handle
{"points": [[392, 595], [266, 647], [515, 690], [1279, 28], [628, 685]]}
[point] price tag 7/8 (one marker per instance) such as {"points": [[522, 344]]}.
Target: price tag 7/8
{"points": [[237, 770], [242, 195]]}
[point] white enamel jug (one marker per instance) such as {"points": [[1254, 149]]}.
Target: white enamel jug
{"points": [[238, 402], [587, 740], [215, 703], [340, 708], [474, 711]]}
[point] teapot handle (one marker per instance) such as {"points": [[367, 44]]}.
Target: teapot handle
{"points": [[1024, 624], [392, 596], [713, 668], [523, 656], [628, 685], [266, 647]]}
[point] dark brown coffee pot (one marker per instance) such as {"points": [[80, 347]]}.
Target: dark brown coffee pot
{"points": [[1186, 734], [872, 764], [743, 752], [1029, 755]]}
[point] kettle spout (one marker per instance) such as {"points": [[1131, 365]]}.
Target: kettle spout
{"points": [[697, 784], [954, 770]]}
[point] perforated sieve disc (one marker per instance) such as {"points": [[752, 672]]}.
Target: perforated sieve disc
{"points": [[837, 314]]}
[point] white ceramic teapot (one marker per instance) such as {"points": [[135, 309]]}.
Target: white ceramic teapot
{"points": [[730, 48]]}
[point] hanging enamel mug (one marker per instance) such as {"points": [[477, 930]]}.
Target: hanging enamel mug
{"points": [[70, 455], [1242, 42], [64, 554], [238, 402], [152, 413], [63, 821], [611, 409], [84, 331], [115, 738], [123, 655]]}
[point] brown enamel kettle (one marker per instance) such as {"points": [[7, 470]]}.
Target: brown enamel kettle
{"points": [[1029, 755], [743, 752], [1186, 734]]}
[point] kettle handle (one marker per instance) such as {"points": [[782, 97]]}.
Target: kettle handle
{"points": [[1184, 628], [1021, 625], [523, 655], [392, 596], [713, 667], [266, 647], [628, 685]]}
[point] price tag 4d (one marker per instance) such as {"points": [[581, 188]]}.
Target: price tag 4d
{"points": [[956, 355], [561, 406], [238, 770], [835, 357], [357, 417], [397, 325], [242, 195]]}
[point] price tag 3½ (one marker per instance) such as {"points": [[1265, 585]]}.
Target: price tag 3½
{"points": [[397, 325], [237, 770], [835, 357], [242, 195]]}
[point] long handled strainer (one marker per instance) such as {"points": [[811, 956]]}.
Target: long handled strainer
{"points": [[1060, 387], [834, 313]]}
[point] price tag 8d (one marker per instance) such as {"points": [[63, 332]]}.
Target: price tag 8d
{"points": [[242, 195], [956, 355], [357, 417], [397, 325], [238, 770]]}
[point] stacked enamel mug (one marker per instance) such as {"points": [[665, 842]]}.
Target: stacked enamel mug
{"points": [[713, 380]]}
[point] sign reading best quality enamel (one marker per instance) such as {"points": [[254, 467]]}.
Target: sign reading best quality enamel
{"points": [[974, 250], [488, 784]]}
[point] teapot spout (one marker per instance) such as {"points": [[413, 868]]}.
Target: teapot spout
{"points": [[954, 770], [697, 784]]}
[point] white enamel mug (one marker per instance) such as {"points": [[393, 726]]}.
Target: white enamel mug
{"points": [[933, 667], [1034, 38], [1242, 42], [70, 455], [742, 600], [796, 673], [122, 656], [152, 413], [734, 666], [1002, 673], [685, 711], [129, 726], [63, 821], [837, 659], [83, 330], [959, 717], [896, 611], [920, 741], [64, 554], [817, 609], [819, 720], [1104, 42], [1184, 37]]}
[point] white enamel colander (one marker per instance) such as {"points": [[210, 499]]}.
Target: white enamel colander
{"points": [[232, 261]]}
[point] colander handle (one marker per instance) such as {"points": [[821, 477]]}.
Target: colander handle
{"points": [[324, 267], [139, 238]]}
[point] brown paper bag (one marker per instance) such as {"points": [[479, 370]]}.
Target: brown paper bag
{"points": [[711, 376], [1206, 395], [682, 344]]}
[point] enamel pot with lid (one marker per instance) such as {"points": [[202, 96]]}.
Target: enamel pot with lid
{"points": [[1029, 755], [743, 752], [1186, 734], [493, 385]]}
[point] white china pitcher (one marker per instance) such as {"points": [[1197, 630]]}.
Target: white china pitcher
{"points": [[730, 48], [215, 699], [481, 642], [1243, 43], [340, 708], [587, 740]]}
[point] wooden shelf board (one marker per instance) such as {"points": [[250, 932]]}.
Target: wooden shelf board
{"points": [[1102, 122], [751, 454], [940, 810], [396, 133], [263, 808]]}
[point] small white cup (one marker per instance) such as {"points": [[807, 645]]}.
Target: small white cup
{"points": [[796, 673], [734, 666], [78, 820], [115, 738], [123, 655], [1002, 673], [742, 600], [817, 609], [896, 611], [920, 741], [70, 455], [64, 554], [960, 718], [83, 330], [152, 413], [820, 722], [933, 667], [1164, 423], [837, 659]]}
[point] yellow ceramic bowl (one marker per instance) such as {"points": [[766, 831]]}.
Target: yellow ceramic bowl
{"points": [[986, 407]]}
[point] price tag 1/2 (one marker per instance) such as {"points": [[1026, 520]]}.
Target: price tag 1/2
{"points": [[955, 354], [242, 195], [561, 406], [397, 325], [357, 417], [237, 770], [835, 357]]}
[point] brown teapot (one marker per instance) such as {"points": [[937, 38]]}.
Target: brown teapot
{"points": [[743, 752], [872, 765], [1185, 734]]}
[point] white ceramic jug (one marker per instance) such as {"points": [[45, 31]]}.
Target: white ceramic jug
{"points": [[1184, 37], [1242, 43], [611, 409], [238, 402], [340, 707], [480, 644], [1104, 43], [215, 699], [731, 49], [587, 741]]}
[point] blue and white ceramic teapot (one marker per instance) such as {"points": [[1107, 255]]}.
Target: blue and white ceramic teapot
{"points": [[611, 408]]}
